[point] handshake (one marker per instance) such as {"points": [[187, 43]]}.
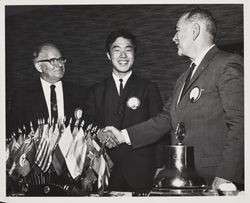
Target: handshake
{"points": [[111, 137]]}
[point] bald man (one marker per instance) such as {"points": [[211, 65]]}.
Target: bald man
{"points": [[34, 102]]}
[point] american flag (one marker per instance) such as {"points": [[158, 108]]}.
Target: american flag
{"points": [[43, 156]]}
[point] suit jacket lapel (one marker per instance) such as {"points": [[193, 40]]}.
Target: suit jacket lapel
{"points": [[203, 65], [66, 98], [41, 105], [110, 92], [129, 87]]}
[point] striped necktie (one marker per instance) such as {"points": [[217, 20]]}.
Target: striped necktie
{"points": [[53, 104]]}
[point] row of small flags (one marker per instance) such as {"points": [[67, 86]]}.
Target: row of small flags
{"points": [[56, 144]]}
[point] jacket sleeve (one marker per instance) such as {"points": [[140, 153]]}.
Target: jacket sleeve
{"points": [[231, 91], [15, 112], [90, 103], [154, 100], [155, 106], [151, 130], [91, 112]]}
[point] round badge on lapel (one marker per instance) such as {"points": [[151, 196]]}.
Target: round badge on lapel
{"points": [[133, 103], [195, 94]]}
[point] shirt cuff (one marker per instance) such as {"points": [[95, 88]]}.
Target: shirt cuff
{"points": [[126, 137]]}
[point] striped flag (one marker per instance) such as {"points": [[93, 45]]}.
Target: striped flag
{"points": [[43, 156], [50, 132], [53, 135], [61, 149]]}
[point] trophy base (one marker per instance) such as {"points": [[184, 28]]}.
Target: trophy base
{"points": [[182, 192]]}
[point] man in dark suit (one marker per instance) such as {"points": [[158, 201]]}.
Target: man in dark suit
{"points": [[48, 99], [34, 101], [122, 100], [211, 106]]}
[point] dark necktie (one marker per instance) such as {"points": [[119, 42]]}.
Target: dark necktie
{"points": [[187, 80], [121, 86], [53, 103]]}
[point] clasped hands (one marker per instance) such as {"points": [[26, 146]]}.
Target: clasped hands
{"points": [[111, 137]]}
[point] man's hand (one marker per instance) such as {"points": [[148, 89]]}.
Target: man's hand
{"points": [[108, 139], [117, 133]]}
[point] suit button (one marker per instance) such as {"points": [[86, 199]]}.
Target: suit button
{"points": [[120, 112]]}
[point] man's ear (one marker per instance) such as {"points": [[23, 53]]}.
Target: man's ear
{"points": [[196, 30], [108, 55], [38, 66]]}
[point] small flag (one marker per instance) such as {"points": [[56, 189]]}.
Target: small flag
{"points": [[43, 156], [22, 163], [89, 180], [65, 141], [101, 172], [20, 139], [109, 162], [13, 166], [96, 146], [51, 129], [58, 160], [75, 129], [54, 137], [11, 149], [76, 156]]}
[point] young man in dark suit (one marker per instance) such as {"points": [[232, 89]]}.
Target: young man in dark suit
{"points": [[210, 104], [34, 101], [122, 100]]}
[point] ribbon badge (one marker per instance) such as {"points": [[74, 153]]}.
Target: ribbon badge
{"points": [[195, 94], [133, 103]]}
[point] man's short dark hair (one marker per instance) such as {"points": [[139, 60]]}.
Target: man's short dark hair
{"points": [[120, 33], [206, 16]]}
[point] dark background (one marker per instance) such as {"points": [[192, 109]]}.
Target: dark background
{"points": [[80, 32]]}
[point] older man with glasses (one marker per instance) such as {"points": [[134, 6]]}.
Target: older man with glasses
{"points": [[49, 98]]}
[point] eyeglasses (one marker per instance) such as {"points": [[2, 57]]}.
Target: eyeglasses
{"points": [[55, 61]]}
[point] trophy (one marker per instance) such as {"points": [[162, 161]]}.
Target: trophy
{"points": [[179, 176], [180, 133]]}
